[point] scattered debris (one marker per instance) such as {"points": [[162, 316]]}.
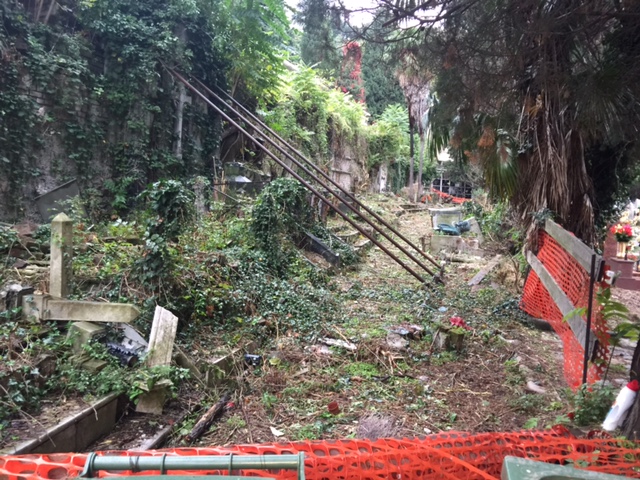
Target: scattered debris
{"points": [[322, 350], [127, 358], [377, 426], [276, 432], [253, 360], [396, 342], [483, 273], [535, 388], [332, 342], [410, 331], [207, 419], [132, 339], [160, 437]]}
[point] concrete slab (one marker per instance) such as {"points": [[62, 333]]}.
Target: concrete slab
{"points": [[161, 338], [76, 432], [153, 401]]}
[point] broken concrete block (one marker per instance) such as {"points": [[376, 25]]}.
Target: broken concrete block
{"points": [[475, 229], [90, 311], [82, 333], [159, 353], [183, 360], [94, 365], [451, 243], [43, 307], [220, 367], [449, 339], [12, 296], [445, 215], [153, 400], [396, 342]]}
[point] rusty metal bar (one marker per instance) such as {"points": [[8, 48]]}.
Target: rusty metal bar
{"points": [[295, 175], [297, 163], [315, 167]]}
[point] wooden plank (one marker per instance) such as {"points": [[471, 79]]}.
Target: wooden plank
{"points": [[577, 324], [483, 273], [573, 245]]}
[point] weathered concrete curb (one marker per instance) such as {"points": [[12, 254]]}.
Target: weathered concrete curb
{"points": [[74, 433], [315, 245]]}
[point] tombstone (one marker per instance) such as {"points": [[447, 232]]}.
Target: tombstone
{"points": [[61, 256], [159, 353]]}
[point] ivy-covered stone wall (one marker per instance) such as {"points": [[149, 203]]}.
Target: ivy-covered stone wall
{"points": [[86, 96]]}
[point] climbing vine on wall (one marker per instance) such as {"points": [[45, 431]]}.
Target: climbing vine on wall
{"points": [[90, 85], [18, 117], [311, 114]]}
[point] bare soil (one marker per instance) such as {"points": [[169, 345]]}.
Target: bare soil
{"points": [[630, 298], [52, 412]]}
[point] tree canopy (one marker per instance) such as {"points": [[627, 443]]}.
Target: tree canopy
{"points": [[542, 94]]}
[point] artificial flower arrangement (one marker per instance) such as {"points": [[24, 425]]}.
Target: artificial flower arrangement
{"points": [[623, 233]]}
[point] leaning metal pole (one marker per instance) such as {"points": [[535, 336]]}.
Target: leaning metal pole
{"points": [[295, 175], [312, 165], [314, 177]]}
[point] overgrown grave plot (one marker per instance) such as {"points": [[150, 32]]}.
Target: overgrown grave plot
{"points": [[478, 389], [226, 292], [308, 389], [213, 277]]}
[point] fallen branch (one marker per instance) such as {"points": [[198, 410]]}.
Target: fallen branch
{"points": [[207, 419]]}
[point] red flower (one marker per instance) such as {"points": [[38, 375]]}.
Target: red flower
{"points": [[623, 233], [459, 322]]}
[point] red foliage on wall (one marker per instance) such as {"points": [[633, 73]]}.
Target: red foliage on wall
{"points": [[351, 71]]}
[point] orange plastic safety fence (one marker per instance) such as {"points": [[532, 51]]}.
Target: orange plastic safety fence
{"points": [[573, 279], [455, 455], [444, 196]]}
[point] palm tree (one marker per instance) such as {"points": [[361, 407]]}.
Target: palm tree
{"points": [[529, 89], [415, 84]]}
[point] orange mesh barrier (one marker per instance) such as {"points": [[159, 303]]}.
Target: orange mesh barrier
{"points": [[446, 196], [454, 455], [574, 281]]}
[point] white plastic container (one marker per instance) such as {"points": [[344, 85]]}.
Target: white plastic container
{"points": [[621, 406]]}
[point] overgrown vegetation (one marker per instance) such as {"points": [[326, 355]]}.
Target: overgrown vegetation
{"points": [[90, 85]]}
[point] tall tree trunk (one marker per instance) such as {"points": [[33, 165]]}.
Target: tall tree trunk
{"points": [[181, 33], [411, 153], [420, 167]]}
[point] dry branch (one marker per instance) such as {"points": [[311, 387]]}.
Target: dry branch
{"points": [[207, 419]]}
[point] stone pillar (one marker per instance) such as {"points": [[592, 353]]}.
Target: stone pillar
{"points": [[61, 256]]}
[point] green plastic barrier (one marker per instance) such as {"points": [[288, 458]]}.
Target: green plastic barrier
{"points": [[514, 468], [164, 463]]}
